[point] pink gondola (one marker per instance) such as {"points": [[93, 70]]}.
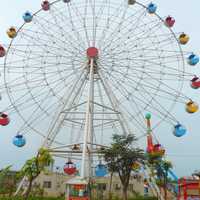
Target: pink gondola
{"points": [[45, 5], [170, 21]]}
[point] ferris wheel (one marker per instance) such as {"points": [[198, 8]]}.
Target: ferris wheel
{"points": [[77, 72]]}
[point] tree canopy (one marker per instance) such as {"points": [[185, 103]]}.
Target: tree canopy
{"points": [[121, 156]]}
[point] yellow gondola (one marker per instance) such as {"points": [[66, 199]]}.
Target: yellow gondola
{"points": [[184, 38], [12, 32], [192, 107]]}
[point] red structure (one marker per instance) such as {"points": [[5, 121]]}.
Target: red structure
{"points": [[153, 149], [188, 189]]}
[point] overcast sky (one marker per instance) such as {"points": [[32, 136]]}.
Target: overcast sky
{"points": [[183, 152]]}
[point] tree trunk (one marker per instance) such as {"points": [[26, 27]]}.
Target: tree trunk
{"points": [[165, 187], [125, 195], [110, 186], [26, 196]]}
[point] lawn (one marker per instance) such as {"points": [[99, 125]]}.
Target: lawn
{"points": [[51, 198], [31, 198]]}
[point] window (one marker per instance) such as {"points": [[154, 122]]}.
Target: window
{"points": [[47, 184], [101, 186], [117, 186]]}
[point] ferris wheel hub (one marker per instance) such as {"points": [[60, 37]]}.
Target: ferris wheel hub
{"points": [[92, 52]]}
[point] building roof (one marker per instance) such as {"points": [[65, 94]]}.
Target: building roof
{"points": [[77, 180]]}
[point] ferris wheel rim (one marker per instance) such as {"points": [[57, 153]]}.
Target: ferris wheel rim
{"points": [[145, 7]]}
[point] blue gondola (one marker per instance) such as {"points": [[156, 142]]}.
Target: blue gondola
{"points": [[193, 59], [27, 17], [101, 170], [151, 8], [179, 130], [19, 141]]}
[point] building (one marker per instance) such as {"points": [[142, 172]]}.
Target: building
{"points": [[53, 184]]}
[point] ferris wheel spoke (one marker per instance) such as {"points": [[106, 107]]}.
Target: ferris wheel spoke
{"points": [[129, 93], [55, 40], [135, 120], [27, 126], [144, 78], [19, 80], [116, 82], [157, 35], [34, 120], [151, 85], [155, 27], [93, 10], [98, 18], [49, 108], [41, 93], [15, 68], [138, 66], [143, 99], [155, 73], [167, 85], [168, 39], [144, 54], [148, 69], [163, 44], [113, 33], [151, 30], [108, 21], [59, 15], [119, 28], [145, 50], [148, 65], [163, 111], [45, 41]]}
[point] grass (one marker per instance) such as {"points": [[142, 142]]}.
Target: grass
{"points": [[51, 198], [31, 198]]}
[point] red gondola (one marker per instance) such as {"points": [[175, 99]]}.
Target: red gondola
{"points": [[195, 82], [4, 120], [70, 168], [2, 51]]}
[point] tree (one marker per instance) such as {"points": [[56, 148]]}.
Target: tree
{"points": [[33, 167], [8, 181], [162, 169], [120, 158]]}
